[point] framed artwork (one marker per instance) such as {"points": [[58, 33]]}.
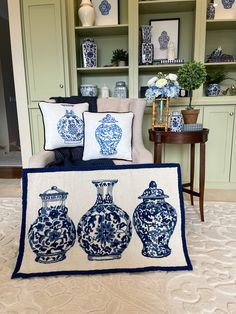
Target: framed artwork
{"points": [[165, 34], [106, 12], [225, 9]]}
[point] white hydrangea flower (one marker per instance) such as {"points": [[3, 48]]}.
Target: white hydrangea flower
{"points": [[171, 77], [152, 81], [161, 82]]}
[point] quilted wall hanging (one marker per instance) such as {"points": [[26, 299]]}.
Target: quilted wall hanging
{"points": [[102, 220]]}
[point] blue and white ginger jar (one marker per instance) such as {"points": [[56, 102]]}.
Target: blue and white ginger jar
{"points": [[176, 122], [104, 232], [213, 89], [53, 233], [71, 128], [227, 4], [154, 220], [163, 40], [108, 135]]}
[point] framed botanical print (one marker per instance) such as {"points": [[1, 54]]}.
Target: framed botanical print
{"points": [[225, 9], [165, 33], [106, 12]]}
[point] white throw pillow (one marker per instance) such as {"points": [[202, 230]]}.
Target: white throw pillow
{"points": [[63, 124], [107, 135]]}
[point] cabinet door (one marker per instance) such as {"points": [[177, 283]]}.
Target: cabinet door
{"points": [[219, 120], [37, 130], [44, 48], [233, 157]]}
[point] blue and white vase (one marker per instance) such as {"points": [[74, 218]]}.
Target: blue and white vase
{"points": [[146, 33], [71, 128], [108, 135], [227, 4], [211, 11], [89, 53], [53, 233], [147, 53], [154, 220], [213, 90], [176, 122], [104, 232]]}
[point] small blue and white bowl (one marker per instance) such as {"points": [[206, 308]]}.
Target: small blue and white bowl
{"points": [[88, 90]]}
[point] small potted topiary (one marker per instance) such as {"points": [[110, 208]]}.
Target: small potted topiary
{"points": [[119, 57], [190, 77], [213, 80]]}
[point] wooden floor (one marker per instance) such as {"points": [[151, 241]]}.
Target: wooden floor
{"points": [[10, 172]]}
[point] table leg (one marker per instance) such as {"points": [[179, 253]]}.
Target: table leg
{"points": [[202, 179], [192, 161], [157, 153]]}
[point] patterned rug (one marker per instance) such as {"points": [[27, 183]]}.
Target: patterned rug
{"points": [[209, 288], [102, 220]]}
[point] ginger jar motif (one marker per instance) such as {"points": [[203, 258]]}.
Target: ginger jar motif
{"points": [[154, 220]]}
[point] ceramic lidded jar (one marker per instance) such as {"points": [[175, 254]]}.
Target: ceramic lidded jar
{"points": [[176, 122], [154, 220], [105, 231], [120, 90], [86, 13], [53, 233]]}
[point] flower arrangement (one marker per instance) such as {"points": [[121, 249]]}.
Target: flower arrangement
{"points": [[162, 86]]}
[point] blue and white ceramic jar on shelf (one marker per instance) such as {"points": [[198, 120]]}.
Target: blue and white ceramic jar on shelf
{"points": [[120, 90], [105, 231], [154, 220], [53, 233], [176, 122], [108, 135], [88, 90], [89, 53], [213, 90]]}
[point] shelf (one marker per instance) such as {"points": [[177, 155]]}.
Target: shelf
{"points": [[166, 6], [112, 30], [159, 67], [220, 24], [221, 64], [102, 70]]}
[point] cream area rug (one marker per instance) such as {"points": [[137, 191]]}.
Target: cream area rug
{"points": [[209, 288]]}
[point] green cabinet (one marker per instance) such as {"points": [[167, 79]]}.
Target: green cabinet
{"points": [[37, 130], [220, 121], [45, 51]]}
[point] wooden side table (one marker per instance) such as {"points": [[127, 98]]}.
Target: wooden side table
{"points": [[192, 138]]}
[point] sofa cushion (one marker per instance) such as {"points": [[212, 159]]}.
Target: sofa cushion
{"points": [[107, 135], [63, 124]]}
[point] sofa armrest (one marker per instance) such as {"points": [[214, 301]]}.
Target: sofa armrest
{"points": [[41, 159]]}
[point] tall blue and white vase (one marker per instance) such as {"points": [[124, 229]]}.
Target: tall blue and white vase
{"points": [[211, 11], [176, 122], [146, 47], [71, 128], [154, 220], [89, 53], [104, 232], [108, 135], [53, 233]]}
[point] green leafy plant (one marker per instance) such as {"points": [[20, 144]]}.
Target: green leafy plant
{"points": [[119, 55], [191, 76], [216, 77]]}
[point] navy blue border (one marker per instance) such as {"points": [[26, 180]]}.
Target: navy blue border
{"points": [[17, 274]]}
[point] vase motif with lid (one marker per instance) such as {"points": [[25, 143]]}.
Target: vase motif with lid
{"points": [[86, 13], [53, 233], [154, 220], [108, 135], [105, 230]]}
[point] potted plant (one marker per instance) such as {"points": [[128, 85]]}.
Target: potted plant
{"points": [[213, 79], [190, 77], [119, 57]]}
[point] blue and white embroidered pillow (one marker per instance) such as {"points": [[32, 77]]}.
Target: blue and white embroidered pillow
{"points": [[107, 135], [63, 124]]}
